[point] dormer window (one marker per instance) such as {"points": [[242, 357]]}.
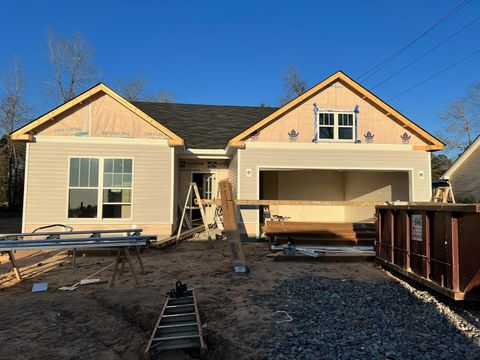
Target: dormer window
{"points": [[337, 126]]}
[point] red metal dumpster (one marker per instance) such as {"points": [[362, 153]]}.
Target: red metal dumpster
{"points": [[435, 244]]}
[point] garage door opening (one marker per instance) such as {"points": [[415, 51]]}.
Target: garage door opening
{"points": [[331, 185]]}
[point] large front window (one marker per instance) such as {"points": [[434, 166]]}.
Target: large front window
{"points": [[335, 126], [100, 188], [83, 188], [117, 188]]}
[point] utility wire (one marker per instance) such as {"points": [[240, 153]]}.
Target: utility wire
{"points": [[379, 66], [426, 53], [435, 75]]}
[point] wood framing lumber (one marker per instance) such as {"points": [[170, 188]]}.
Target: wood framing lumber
{"points": [[296, 202], [162, 243], [231, 227]]}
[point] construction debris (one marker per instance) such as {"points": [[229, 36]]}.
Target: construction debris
{"points": [[322, 253], [288, 318], [178, 326], [77, 285], [38, 287]]}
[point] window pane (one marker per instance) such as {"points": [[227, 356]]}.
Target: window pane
{"points": [[108, 180], [350, 119], [326, 119], [117, 195], [93, 172], [127, 180], [82, 203], [345, 133], [84, 170], [74, 171], [117, 165], [127, 166], [108, 165], [116, 211], [117, 180], [326, 132]]}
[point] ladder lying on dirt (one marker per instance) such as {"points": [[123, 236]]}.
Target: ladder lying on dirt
{"points": [[178, 326]]}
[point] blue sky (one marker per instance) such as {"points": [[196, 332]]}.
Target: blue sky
{"points": [[234, 52]]}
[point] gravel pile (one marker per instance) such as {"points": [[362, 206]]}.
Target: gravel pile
{"points": [[350, 319]]}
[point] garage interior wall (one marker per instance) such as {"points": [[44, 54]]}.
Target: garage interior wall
{"points": [[332, 185]]}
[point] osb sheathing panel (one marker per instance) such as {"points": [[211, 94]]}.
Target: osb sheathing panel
{"points": [[187, 167], [100, 116], [337, 97]]}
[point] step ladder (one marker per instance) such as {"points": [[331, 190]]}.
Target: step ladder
{"points": [[193, 191], [178, 327], [444, 194]]}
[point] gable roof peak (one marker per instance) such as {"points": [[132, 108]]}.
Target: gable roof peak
{"points": [[435, 144]]}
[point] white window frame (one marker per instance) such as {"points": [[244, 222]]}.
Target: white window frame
{"points": [[335, 126], [100, 188]]}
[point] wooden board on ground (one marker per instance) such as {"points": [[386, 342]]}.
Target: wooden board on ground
{"points": [[162, 243], [231, 227], [324, 257]]}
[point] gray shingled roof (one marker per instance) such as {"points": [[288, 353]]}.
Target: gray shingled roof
{"points": [[204, 126]]}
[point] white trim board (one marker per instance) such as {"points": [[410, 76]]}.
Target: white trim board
{"points": [[172, 184], [25, 186]]}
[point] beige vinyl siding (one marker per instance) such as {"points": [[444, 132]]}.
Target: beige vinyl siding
{"points": [[465, 179], [330, 156], [232, 174], [47, 180]]}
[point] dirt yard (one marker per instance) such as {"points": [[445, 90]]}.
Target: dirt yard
{"points": [[340, 310], [96, 322]]}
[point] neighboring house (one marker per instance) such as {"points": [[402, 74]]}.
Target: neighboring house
{"points": [[464, 174], [99, 161]]}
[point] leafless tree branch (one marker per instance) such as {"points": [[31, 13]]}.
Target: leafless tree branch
{"points": [[461, 120], [293, 84], [71, 63]]}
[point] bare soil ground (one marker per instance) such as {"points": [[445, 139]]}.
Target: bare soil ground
{"points": [[98, 322]]}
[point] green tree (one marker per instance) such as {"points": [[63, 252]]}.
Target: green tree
{"points": [[440, 164]]}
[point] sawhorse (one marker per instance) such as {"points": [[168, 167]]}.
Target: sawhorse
{"points": [[123, 257]]}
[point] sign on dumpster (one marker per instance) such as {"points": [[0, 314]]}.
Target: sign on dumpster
{"points": [[417, 227]]}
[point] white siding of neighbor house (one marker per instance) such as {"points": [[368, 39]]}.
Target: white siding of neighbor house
{"points": [[256, 157], [465, 178], [46, 183]]}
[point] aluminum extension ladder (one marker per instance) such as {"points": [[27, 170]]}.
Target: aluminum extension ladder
{"points": [[178, 327]]}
